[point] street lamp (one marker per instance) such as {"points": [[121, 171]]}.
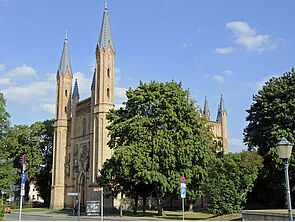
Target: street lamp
{"points": [[284, 148], [121, 213]]}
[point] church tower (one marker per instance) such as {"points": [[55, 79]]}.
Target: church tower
{"points": [[222, 118], [206, 111], [62, 114], [103, 93]]}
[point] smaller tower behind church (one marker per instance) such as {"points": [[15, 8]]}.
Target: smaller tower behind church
{"points": [[206, 111], [62, 114], [222, 118]]}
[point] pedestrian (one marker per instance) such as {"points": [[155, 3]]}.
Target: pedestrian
{"points": [[75, 208]]}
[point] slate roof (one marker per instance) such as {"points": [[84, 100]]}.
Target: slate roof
{"points": [[65, 62], [76, 90], [105, 37], [93, 80]]}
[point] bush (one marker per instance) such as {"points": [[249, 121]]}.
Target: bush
{"points": [[230, 178]]}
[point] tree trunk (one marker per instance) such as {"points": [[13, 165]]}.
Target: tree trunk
{"points": [[159, 204], [135, 204], [191, 206], [143, 203]]}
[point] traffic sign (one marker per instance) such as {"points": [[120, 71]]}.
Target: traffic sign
{"points": [[182, 179], [23, 177], [97, 189], [22, 192], [22, 186], [73, 194], [182, 190]]}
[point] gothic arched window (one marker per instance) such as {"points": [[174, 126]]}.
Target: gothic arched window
{"points": [[108, 72], [108, 92]]}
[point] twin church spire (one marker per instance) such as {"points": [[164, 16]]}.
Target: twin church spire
{"points": [[221, 109], [105, 39]]}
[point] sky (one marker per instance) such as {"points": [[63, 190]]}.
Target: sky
{"points": [[213, 47]]}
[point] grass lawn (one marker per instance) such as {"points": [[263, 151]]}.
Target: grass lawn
{"points": [[177, 215], [34, 209]]}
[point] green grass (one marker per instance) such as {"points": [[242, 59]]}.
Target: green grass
{"points": [[35, 209]]}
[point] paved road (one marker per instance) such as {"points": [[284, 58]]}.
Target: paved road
{"points": [[47, 216]]}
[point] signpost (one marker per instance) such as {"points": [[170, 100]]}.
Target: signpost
{"points": [[76, 194], [101, 200], [100, 189], [182, 193], [22, 191]]}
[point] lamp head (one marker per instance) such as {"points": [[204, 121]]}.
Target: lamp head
{"points": [[284, 148]]}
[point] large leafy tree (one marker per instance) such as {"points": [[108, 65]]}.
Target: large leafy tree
{"points": [[230, 178], [43, 132], [271, 114], [7, 175], [158, 137]]}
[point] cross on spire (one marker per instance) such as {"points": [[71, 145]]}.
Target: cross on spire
{"points": [[106, 5]]}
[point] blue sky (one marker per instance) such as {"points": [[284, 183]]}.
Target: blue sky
{"points": [[213, 47]]}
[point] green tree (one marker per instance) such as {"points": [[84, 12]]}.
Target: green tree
{"points": [[270, 115], [7, 175], [21, 140], [43, 132], [158, 137], [231, 177]]}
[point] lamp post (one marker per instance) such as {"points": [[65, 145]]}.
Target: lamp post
{"points": [[284, 148], [121, 213]]}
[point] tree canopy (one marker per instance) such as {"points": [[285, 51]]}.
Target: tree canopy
{"points": [[271, 114], [230, 178], [7, 175], [157, 137]]}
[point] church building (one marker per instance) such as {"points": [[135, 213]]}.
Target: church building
{"points": [[80, 136]]}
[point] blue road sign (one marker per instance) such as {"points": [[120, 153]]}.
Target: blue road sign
{"points": [[23, 177], [183, 190]]}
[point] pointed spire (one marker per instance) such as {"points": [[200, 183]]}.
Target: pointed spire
{"points": [[105, 37], [222, 106], [206, 107], [76, 90], [65, 62], [93, 80], [221, 109]]}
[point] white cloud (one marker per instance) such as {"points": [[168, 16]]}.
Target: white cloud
{"points": [[227, 72], [5, 81], [186, 45], [218, 78], [23, 71], [260, 83], [236, 145], [119, 93], [35, 92], [248, 37], [2, 67], [84, 83], [228, 50], [48, 108]]}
